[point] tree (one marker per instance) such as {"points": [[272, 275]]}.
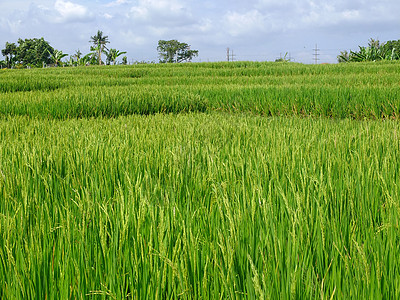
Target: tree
{"points": [[374, 52], [112, 55], [392, 48], [34, 52], [99, 41], [283, 59], [74, 59], [124, 60], [344, 56], [173, 51], [57, 55], [85, 60], [94, 55], [77, 55], [9, 51]]}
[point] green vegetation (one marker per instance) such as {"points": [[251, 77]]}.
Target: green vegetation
{"points": [[38, 53], [99, 44], [374, 52], [175, 52], [32, 53], [170, 181], [112, 55], [357, 91]]}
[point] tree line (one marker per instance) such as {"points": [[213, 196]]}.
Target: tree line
{"points": [[375, 51], [37, 52]]}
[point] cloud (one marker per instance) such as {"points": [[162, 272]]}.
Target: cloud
{"points": [[117, 3], [162, 13], [108, 16], [11, 26], [71, 12], [256, 26], [250, 22], [57, 12]]}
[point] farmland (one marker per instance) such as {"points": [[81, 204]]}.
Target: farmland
{"points": [[213, 180], [354, 91]]}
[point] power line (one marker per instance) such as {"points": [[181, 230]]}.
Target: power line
{"points": [[316, 54]]}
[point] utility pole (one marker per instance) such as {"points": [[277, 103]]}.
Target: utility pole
{"points": [[316, 54], [229, 55]]}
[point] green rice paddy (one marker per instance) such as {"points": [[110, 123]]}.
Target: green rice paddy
{"points": [[200, 181]]}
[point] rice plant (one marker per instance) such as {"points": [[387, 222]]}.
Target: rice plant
{"points": [[199, 206], [358, 91], [218, 180]]}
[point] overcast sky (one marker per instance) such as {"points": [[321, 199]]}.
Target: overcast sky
{"points": [[254, 29]]}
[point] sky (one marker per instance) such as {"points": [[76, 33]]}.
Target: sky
{"points": [[255, 30]]}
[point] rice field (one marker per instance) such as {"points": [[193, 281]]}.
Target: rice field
{"points": [[200, 181], [356, 91]]}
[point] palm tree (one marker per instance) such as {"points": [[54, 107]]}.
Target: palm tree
{"points": [[78, 55], [99, 41]]}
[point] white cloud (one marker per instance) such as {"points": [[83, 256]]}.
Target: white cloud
{"points": [[243, 24], [117, 3], [162, 12], [11, 26], [108, 16], [68, 11], [350, 15], [257, 26]]}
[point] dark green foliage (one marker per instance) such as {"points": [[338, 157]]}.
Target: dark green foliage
{"points": [[112, 56], [34, 52], [57, 56], [10, 51], [374, 52], [392, 47], [175, 52]]}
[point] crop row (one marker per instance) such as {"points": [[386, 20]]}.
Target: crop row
{"points": [[199, 206], [100, 102], [340, 91], [336, 102]]}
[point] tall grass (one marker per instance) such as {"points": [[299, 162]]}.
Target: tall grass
{"points": [[199, 206], [100, 102], [358, 91]]}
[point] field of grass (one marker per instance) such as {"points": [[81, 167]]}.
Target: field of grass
{"points": [[228, 181], [354, 91]]}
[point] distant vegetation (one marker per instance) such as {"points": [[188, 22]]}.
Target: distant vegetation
{"points": [[173, 51], [374, 52], [38, 53], [28, 53]]}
